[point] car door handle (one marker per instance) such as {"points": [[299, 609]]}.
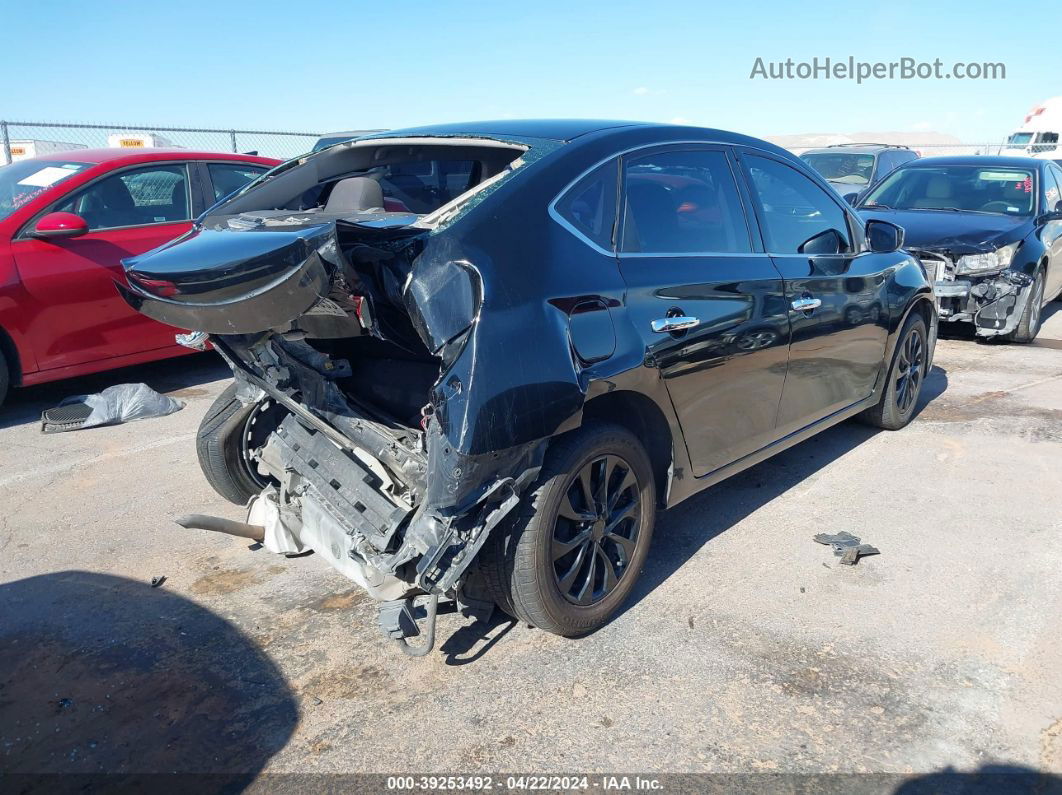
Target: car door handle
{"points": [[672, 324], [806, 304]]}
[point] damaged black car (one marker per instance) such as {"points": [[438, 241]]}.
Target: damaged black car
{"points": [[989, 232], [472, 361]]}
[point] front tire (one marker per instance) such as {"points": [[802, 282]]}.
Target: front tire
{"points": [[1029, 325], [572, 555], [227, 433], [907, 373]]}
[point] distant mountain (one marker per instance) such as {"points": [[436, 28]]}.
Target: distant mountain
{"points": [[925, 142]]}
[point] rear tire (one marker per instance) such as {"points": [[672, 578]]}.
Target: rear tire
{"points": [[1029, 325], [571, 557], [222, 443], [907, 373]]}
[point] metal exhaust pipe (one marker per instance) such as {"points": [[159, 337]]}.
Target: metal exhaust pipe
{"points": [[198, 521]]}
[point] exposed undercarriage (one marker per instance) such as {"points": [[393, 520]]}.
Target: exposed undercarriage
{"points": [[359, 467]]}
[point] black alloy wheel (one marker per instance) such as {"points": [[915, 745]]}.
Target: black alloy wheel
{"points": [[910, 369], [596, 530]]}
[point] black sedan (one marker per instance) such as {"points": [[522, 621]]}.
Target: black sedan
{"points": [[473, 360], [989, 232]]}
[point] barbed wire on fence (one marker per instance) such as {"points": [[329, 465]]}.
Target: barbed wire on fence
{"points": [[23, 139]]}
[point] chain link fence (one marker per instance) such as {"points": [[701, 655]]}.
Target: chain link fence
{"points": [[20, 140], [24, 139]]}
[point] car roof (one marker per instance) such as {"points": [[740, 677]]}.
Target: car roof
{"points": [[352, 133], [554, 129], [854, 149], [121, 156], [975, 160]]}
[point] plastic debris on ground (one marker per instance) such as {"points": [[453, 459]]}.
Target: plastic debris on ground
{"points": [[113, 406], [847, 547]]}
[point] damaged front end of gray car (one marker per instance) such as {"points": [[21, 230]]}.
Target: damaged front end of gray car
{"points": [[347, 319]]}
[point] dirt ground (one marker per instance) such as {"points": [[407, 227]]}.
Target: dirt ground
{"points": [[745, 647]]}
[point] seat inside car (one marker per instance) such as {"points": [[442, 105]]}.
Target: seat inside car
{"points": [[178, 202], [355, 194], [109, 204], [653, 211], [938, 190]]}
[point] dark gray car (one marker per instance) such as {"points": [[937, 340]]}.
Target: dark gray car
{"points": [[851, 169]]}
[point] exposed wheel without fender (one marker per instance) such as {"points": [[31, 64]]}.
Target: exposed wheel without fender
{"points": [[571, 557], [228, 434], [1029, 325], [903, 385]]}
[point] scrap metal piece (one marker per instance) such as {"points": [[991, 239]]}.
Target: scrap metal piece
{"points": [[198, 521], [196, 340], [846, 546]]}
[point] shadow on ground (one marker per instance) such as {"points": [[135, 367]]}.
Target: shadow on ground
{"points": [[102, 674], [177, 377], [472, 641], [683, 530], [986, 780]]}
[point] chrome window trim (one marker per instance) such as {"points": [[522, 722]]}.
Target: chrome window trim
{"points": [[555, 214], [701, 254]]}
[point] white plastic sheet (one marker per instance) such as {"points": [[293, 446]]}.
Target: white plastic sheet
{"points": [[125, 403]]}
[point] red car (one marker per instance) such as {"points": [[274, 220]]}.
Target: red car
{"points": [[66, 222]]}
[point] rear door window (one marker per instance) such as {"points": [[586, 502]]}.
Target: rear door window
{"points": [[682, 202], [136, 197], [589, 206]]}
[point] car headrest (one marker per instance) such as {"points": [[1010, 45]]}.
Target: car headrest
{"points": [[353, 194], [116, 195], [178, 196], [939, 187]]}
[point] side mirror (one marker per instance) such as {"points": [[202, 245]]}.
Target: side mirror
{"points": [[824, 243], [883, 237], [60, 225], [1054, 214], [851, 198]]}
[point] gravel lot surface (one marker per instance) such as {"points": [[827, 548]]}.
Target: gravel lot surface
{"points": [[745, 648]]}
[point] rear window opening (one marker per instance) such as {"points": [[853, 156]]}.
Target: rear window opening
{"points": [[410, 176]]}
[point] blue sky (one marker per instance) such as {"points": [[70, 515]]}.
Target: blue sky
{"points": [[318, 67]]}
